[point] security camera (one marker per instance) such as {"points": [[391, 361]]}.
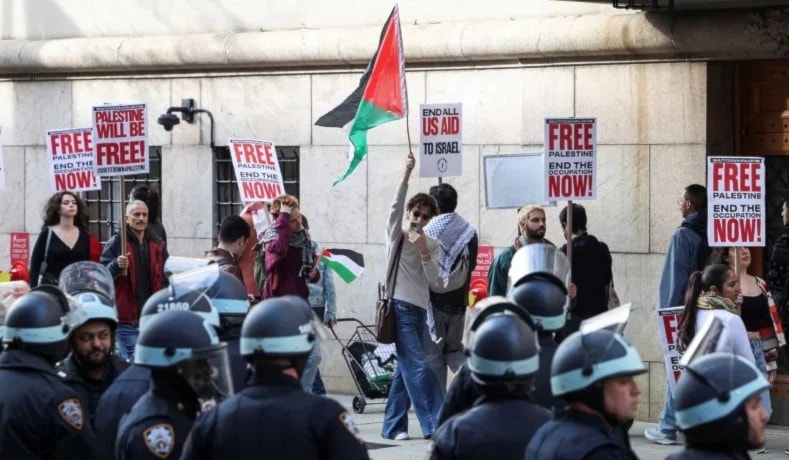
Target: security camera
{"points": [[168, 120]]}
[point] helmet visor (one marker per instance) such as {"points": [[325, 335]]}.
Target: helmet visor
{"points": [[196, 280], [208, 373], [178, 264], [87, 276], [613, 320], [536, 259]]}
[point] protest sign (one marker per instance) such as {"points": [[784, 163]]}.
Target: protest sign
{"points": [[20, 247], [668, 323], [257, 169], [736, 201], [120, 139], [440, 140], [71, 164], [479, 276], [570, 158]]}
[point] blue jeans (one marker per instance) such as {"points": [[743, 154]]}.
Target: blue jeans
{"points": [[414, 380], [667, 423], [308, 374], [761, 364], [317, 385], [126, 339]]}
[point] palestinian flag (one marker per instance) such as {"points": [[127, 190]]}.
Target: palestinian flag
{"points": [[348, 264], [381, 96]]}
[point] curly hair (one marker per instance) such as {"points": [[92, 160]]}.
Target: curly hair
{"points": [[423, 199], [52, 210]]}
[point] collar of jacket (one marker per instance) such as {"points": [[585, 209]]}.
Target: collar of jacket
{"points": [[20, 359]]}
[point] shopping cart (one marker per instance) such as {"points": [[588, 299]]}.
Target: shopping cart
{"points": [[371, 372]]}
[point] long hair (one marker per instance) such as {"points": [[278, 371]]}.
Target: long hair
{"points": [[151, 199], [720, 255], [52, 210], [700, 281]]}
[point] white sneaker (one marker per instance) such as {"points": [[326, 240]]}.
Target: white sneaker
{"points": [[402, 436], [658, 437]]}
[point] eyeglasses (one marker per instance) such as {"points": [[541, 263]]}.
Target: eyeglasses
{"points": [[417, 215]]}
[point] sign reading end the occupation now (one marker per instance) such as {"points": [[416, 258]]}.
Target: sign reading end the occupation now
{"points": [[735, 201], [441, 140], [570, 158], [120, 139], [71, 160], [257, 169]]}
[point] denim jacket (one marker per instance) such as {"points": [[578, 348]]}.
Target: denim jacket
{"points": [[322, 293]]}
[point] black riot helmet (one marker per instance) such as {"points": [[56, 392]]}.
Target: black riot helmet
{"points": [[227, 293], [165, 300], [280, 328], [41, 320], [490, 306], [538, 279], [504, 351], [188, 348], [710, 399]]}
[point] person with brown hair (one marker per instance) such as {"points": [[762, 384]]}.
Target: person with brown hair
{"points": [[64, 239]]}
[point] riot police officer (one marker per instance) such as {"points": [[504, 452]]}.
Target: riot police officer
{"points": [[272, 415], [41, 416], [593, 372], [718, 407], [189, 373], [92, 365], [503, 359]]}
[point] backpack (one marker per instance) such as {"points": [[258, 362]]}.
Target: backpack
{"points": [[457, 277], [704, 247]]}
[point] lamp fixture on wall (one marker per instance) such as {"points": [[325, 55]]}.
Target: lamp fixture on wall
{"points": [[188, 111]]}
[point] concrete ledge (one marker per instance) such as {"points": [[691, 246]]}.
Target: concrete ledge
{"points": [[705, 35]]}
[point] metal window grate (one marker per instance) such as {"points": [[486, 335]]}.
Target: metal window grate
{"points": [[227, 200], [104, 205]]}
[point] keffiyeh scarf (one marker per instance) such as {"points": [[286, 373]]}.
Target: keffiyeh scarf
{"points": [[301, 240], [454, 233], [713, 301]]}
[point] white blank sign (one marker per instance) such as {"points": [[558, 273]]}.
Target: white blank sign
{"points": [[512, 181]]}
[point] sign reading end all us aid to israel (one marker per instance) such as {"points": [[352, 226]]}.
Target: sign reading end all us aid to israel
{"points": [[570, 158], [735, 201], [440, 140]]}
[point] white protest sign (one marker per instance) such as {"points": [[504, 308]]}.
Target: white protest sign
{"points": [[257, 169], [570, 158], [120, 139], [71, 160], [2, 165], [668, 323], [736, 202], [441, 140]]}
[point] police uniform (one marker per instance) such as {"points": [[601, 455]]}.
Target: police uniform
{"points": [[117, 401], [542, 383], [231, 335], [41, 417], [275, 418], [495, 428], [460, 397], [576, 435], [154, 429], [89, 390], [698, 454]]}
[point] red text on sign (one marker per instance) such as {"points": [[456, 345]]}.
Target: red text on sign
{"points": [[73, 180], [570, 136], [670, 324], [111, 130], [569, 186], [254, 153], [737, 230], [736, 177], [261, 190], [120, 153], [75, 142], [115, 116]]}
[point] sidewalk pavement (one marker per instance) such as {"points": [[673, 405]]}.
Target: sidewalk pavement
{"points": [[369, 424]]}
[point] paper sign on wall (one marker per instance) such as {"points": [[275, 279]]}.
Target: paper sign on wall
{"points": [[570, 158], [441, 140], [120, 139], [668, 323], [257, 169], [736, 201], [479, 276], [71, 164], [20, 247]]}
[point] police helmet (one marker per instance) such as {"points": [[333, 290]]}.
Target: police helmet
{"points": [[227, 293], [165, 300], [92, 285], [585, 359], [504, 349], [279, 327], [185, 342], [539, 259], [45, 315], [711, 394], [488, 307], [538, 275]]}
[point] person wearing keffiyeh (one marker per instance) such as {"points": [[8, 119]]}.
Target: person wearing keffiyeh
{"points": [[289, 253]]}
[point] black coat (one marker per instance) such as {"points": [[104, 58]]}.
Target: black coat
{"points": [[577, 435], [117, 401], [591, 273], [88, 390]]}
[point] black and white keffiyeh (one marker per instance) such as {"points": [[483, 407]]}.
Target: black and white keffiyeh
{"points": [[454, 233], [300, 239]]}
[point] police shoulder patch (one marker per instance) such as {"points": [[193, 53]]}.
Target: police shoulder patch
{"points": [[348, 423], [160, 439], [70, 410]]}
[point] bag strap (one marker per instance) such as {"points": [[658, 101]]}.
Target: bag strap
{"points": [[396, 267], [44, 263]]}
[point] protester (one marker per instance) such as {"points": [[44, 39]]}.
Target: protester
{"points": [[777, 276], [458, 238], [151, 199], [143, 258], [272, 417], [687, 252], [323, 300], [233, 239], [417, 257], [591, 270], [64, 239], [256, 216]]}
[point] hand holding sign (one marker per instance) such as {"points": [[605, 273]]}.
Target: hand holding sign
{"points": [[257, 169]]}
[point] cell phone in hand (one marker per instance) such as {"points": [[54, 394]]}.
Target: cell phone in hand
{"points": [[416, 227]]}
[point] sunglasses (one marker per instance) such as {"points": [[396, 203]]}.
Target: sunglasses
{"points": [[417, 215]]}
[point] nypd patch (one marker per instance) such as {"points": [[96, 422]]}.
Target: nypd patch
{"points": [[348, 423], [70, 411], [160, 439]]}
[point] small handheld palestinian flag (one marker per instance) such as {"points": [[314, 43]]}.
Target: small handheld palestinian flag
{"points": [[381, 96], [348, 264]]}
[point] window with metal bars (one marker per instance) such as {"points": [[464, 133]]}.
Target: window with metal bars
{"points": [[104, 205], [226, 196]]}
